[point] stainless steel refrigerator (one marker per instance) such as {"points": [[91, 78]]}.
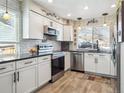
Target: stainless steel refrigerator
{"points": [[120, 48], [120, 66]]}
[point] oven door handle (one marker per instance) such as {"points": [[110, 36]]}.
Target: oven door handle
{"points": [[56, 57]]}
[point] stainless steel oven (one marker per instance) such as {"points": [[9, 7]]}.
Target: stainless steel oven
{"points": [[57, 65]]}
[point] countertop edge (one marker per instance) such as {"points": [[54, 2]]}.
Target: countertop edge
{"points": [[19, 59]]}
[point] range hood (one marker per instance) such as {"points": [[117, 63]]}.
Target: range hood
{"points": [[50, 31]]}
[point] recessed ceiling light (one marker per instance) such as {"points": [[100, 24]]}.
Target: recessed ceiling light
{"points": [[50, 1], [68, 15], [104, 25], [113, 6], [86, 7]]}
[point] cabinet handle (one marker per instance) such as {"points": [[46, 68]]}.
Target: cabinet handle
{"points": [[28, 62], [14, 77], [2, 68], [18, 76], [90, 54], [101, 55], [45, 58]]}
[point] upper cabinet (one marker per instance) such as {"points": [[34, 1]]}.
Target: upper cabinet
{"points": [[68, 33], [32, 22], [60, 32]]}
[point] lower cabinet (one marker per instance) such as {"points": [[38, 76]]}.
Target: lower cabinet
{"points": [[98, 63], [113, 68], [67, 61], [103, 64], [25, 76], [7, 84], [26, 79], [44, 72], [89, 62]]}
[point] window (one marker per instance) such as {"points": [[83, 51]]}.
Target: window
{"points": [[85, 38], [8, 28], [8, 34], [88, 37]]}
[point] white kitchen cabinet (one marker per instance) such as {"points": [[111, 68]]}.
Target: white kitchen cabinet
{"points": [[44, 73], [113, 68], [68, 33], [89, 62], [103, 64], [67, 61], [60, 32], [31, 5], [7, 78], [99, 63], [33, 26], [36, 26], [7, 84], [32, 22], [26, 79], [44, 70]]}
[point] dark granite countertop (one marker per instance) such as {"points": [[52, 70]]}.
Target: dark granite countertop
{"points": [[12, 58], [86, 51]]}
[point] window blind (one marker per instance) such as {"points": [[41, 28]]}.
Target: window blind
{"points": [[12, 4], [8, 29]]}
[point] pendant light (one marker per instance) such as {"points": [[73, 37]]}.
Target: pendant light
{"points": [[6, 15], [104, 15]]}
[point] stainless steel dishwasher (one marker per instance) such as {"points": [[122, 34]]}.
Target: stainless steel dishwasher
{"points": [[77, 62]]}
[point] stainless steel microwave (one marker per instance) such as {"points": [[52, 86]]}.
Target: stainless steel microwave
{"points": [[50, 31]]}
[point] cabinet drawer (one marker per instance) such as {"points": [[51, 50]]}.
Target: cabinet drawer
{"points": [[7, 67], [44, 59], [89, 55], [25, 63]]}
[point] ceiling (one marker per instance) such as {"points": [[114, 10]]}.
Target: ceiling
{"points": [[76, 8]]}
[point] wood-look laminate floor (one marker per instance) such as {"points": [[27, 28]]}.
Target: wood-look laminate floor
{"points": [[74, 82]]}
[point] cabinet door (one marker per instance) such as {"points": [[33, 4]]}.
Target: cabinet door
{"points": [[113, 68], [44, 73], [68, 33], [67, 61], [89, 62], [103, 64], [7, 84], [26, 79], [35, 26], [60, 32]]}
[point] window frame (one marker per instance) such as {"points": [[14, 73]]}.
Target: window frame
{"points": [[77, 46], [17, 27]]}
